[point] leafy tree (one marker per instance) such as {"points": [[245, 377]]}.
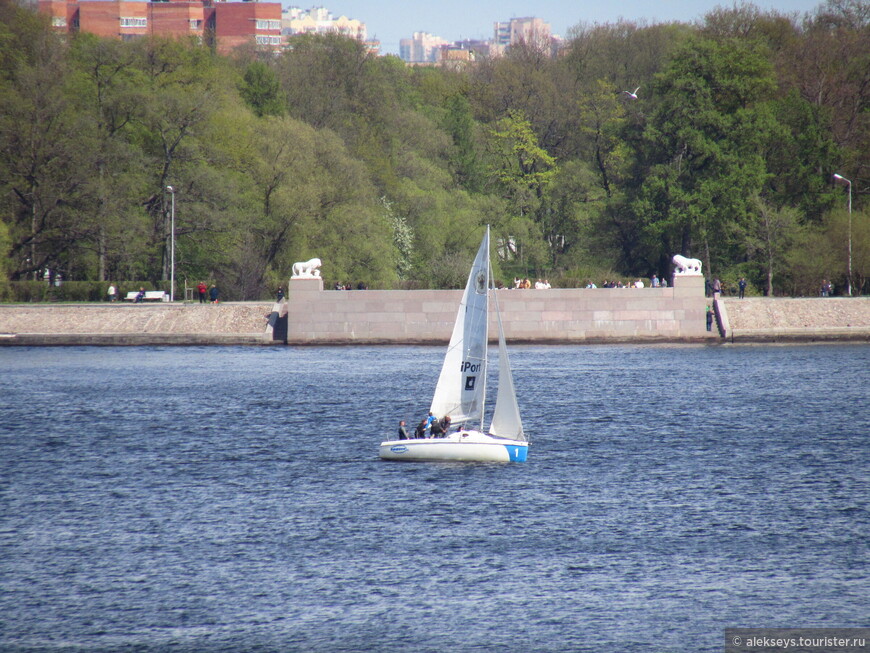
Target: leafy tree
{"points": [[184, 90], [522, 171], [403, 239], [105, 86], [279, 165], [574, 205], [809, 261], [44, 167], [771, 239], [524, 82], [830, 67], [261, 90], [460, 124], [797, 152], [700, 163]]}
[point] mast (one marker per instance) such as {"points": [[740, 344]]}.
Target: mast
{"points": [[485, 361]]}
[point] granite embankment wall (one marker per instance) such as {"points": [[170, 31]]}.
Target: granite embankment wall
{"points": [[135, 324], [675, 314], [562, 316], [804, 319]]}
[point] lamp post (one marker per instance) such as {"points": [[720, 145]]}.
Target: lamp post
{"points": [[171, 191], [849, 277]]}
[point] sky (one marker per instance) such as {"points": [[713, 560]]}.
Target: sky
{"points": [[452, 20]]}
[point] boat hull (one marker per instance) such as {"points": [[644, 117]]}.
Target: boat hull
{"points": [[463, 446]]}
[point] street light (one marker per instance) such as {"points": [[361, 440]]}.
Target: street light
{"points": [[849, 277], [171, 191]]}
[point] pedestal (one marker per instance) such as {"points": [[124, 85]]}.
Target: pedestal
{"points": [[314, 284]]}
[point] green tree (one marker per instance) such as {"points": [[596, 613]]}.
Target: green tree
{"points": [[185, 89], [261, 90], [522, 171], [105, 85], [771, 239], [574, 205], [44, 166], [460, 124], [700, 163], [280, 164]]}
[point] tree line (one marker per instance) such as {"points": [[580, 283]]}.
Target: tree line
{"points": [[388, 172]]}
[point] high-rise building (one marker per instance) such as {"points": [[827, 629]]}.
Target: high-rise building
{"points": [[421, 48], [319, 20], [528, 31]]}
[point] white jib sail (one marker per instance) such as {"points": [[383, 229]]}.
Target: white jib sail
{"points": [[506, 421], [462, 384]]}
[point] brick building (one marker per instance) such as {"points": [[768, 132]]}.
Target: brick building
{"points": [[225, 24]]}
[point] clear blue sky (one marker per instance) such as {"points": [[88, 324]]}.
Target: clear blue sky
{"points": [[391, 20]]}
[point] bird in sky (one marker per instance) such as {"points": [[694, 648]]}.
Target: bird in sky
{"points": [[633, 96]]}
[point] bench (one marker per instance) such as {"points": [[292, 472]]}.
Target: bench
{"points": [[150, 295]]}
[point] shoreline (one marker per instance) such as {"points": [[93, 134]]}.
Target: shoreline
{"points": [[753, 320]]}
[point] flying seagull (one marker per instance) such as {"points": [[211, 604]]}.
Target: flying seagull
{"points": [[632, 95]]}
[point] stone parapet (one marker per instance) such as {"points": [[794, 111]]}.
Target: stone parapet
{"points": [[134, 324], [559, 316], [793, 319], [533, 316]]}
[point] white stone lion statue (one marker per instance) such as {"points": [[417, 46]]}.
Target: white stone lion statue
{"points": [[687, 266], [306, 269]]}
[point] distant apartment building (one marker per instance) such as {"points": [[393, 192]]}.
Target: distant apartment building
{"points": [[226, 25], [477, 48], [319, 20], [531, 31], [424, 48], [421, 48]]}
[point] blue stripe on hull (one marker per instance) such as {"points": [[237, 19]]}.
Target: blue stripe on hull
{"points": [[517, 454]]}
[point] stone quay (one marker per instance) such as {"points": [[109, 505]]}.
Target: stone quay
{"points": [[311, 315]]}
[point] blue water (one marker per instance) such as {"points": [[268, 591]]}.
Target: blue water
{"points": [[223, 499]]}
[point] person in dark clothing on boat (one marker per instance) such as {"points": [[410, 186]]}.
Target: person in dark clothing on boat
{"points": [[445, 424], [420, 431], [403, 432], [437, 429]]}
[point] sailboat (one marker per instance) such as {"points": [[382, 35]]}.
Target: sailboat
{"points": [[461, 389]]}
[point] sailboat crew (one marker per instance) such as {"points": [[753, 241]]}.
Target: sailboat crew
{"points": [[437, 430]]}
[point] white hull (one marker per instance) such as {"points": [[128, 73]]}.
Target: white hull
{"points": [[462, 446]]}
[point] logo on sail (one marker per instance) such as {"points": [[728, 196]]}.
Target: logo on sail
{"points": [[481, 283], [469, 382]]}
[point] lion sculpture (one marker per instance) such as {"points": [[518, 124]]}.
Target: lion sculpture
{"points": [[306, 269], [687, 266]]}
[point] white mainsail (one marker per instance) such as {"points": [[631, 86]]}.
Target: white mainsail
{"points": [[506, 421], [461, 386]]}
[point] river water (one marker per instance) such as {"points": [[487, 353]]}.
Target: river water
{"points": [[228, 498]]}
